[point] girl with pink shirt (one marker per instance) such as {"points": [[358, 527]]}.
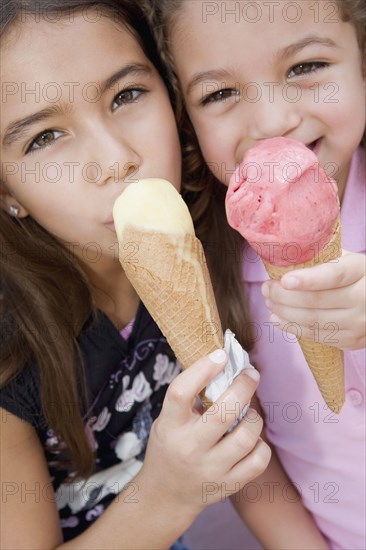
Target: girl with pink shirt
{"points": [[102, 444], [243, 72]]}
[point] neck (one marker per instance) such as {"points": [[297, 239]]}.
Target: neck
{"points": [[112, 291]]}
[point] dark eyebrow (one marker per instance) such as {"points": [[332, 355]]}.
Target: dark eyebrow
{"points": [[204, 76], [16, 128], [128, 70], [309, 40], [292, 49]]}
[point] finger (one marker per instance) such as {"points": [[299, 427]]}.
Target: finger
{"points": [[309, 317], [335, 274], [240, 441], [250, 466], [343, 339], [181, 395], [221, 416], [329, 333], [322, 299]]}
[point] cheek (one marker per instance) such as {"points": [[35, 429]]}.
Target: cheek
{"points": [[44, 188], [218, 148], [346, 116], [160, 146], [207, 134], [344, 101], [211, 151], [164, 124], [23, 184], [169, 145]]}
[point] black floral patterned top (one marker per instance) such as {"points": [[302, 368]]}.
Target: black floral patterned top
{"points": [[127, 379]]}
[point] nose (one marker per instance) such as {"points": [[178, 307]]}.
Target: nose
{"points": [[112, 158], [273, 116]]}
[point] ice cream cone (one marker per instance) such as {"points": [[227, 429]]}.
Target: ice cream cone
{"points": [[326, 362], [170, 275]]}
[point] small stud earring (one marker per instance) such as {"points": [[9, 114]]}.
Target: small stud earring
{"points": [[14, 211]]}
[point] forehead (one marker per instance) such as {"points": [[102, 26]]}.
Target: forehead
{"points": [[43, 63], [78, 50], [243, 21], [260, 11], [235, 33]]}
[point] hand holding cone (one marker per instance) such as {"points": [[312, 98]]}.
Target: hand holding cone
{"points": [[280, 200], [326, 362]]}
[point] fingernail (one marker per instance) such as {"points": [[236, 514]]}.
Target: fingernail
{"points": [[218, 356], [290, 282], [252, 373], [265, 290]]}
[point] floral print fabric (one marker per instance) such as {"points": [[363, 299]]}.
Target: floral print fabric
{"points": [[127, 382]]}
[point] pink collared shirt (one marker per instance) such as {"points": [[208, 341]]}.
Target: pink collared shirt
{"points": [[323, 454]]}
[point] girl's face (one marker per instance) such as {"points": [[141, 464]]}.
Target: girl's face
{"points": [[262, 70], [84, 113]]}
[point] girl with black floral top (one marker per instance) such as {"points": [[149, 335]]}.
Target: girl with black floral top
{"points": [[84, 369]]}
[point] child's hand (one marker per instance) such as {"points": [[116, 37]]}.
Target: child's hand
{"points": [[325, 303], [190, 462]]}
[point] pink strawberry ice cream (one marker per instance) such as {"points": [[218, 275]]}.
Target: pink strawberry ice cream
{"points": [[282, 202]]}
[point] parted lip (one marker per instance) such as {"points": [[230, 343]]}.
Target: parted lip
{"points": [[110, 224], [313, 146], [109, 220]]}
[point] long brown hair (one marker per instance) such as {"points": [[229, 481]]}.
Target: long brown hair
{"points": [[45, 298], [204, 193]]}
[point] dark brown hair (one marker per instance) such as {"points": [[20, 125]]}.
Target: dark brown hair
{"points": [[45, 298], [204, 193]]}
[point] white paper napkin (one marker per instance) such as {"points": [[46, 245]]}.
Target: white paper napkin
{"points": [[238, 360]]}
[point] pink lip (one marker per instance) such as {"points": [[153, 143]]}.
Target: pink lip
{"points": [[110, 225], [314, 146]]}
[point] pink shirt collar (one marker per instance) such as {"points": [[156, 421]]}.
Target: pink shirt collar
{"points": [[353, 210]]}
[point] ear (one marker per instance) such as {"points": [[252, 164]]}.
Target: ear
{"points": [[10, 205]]}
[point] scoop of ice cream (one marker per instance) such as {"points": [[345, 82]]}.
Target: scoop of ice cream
{"points": [[282, 202], [152, 204]]}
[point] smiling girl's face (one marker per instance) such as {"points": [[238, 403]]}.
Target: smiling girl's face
{"points": [[262, 73], [84, 112]]}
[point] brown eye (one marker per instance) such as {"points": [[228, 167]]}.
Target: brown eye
{"points": [[301, 69], [44, 138], [124, 97], [306, 68], [220, 96], [128, 96]]}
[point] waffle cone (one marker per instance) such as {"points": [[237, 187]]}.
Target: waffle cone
{"points": [[326, 362], [170, 275]]}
